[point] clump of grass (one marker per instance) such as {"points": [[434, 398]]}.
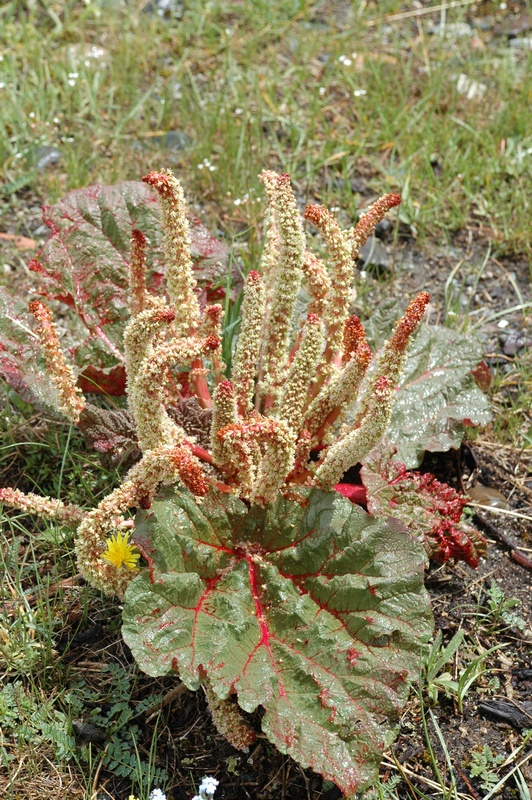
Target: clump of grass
{"points": [[378, 94]]}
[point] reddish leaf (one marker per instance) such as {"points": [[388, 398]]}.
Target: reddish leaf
{"points": [[313, 610], [85, 265], [357, 494], [21, 359], [482, 375], [430, 509]]}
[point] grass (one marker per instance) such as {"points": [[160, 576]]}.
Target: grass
{"points": [[335, 94], [262, 84]]}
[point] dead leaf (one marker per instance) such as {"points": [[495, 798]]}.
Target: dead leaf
{"points": [[22, 242]]}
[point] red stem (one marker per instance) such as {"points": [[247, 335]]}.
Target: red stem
{"points": [[201, 387]]}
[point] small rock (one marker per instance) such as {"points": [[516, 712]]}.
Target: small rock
{"points": [[358, 185], [452, 30], [45, 156], [522, 44], [514, 342], [373, 254], [88, 731], [383, 229], [487, 496], [514, 27], [165, 9], [473, 90], [172, 140]]}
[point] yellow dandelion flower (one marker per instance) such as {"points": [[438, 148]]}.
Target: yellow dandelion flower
{"points": [[120, 552]]}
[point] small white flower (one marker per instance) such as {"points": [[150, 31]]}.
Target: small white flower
{"points": [[359, 92], [73, 74], [345, 61], [239, 111], [208, 786], [71, 82], [2, 86], [322, 90], [56, 120], [157, 795], [503, 323]]}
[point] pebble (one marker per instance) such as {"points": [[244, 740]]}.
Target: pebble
{"points": [[515, 341], [172, 140], [452, 30], [165, 9], [523, 44], [45, 156], [374, 254], [487, 496]]}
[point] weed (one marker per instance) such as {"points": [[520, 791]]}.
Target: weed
{"points": [[498, 611], [484, 765]]}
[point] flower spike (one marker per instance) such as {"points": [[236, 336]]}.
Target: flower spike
{"points": [[71, 400], [288, 279], [44, 507], [338, 298], [367, 224], [139, 297], [247, 352], [302, 373], [224, 413], [180, 280], [376, 402]]}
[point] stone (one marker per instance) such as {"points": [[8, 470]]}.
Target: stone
{"points": [[44, 156], [374, 254]]}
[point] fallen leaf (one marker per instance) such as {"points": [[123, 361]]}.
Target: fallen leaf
{"points": [[22, 242]]}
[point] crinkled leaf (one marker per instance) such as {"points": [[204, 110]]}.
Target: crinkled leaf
{"points": [[430, 509], [21, 358], [84, 263], [437, 397], [310, 608], [112, 434]]}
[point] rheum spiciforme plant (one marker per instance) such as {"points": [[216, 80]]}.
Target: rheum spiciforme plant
{"points": [[261, 583]]}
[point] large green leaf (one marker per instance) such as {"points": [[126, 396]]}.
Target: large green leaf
{"points": [[310, 608], [437, 397]]}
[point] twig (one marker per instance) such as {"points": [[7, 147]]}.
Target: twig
{"points": [[168, 698], [94, 787], [503, 511], [516, 554], [467, 782]]}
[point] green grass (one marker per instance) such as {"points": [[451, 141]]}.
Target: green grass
{"points": [[259, 85]]}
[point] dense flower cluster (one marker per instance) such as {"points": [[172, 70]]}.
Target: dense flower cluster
{"points": [[276, 423]]}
